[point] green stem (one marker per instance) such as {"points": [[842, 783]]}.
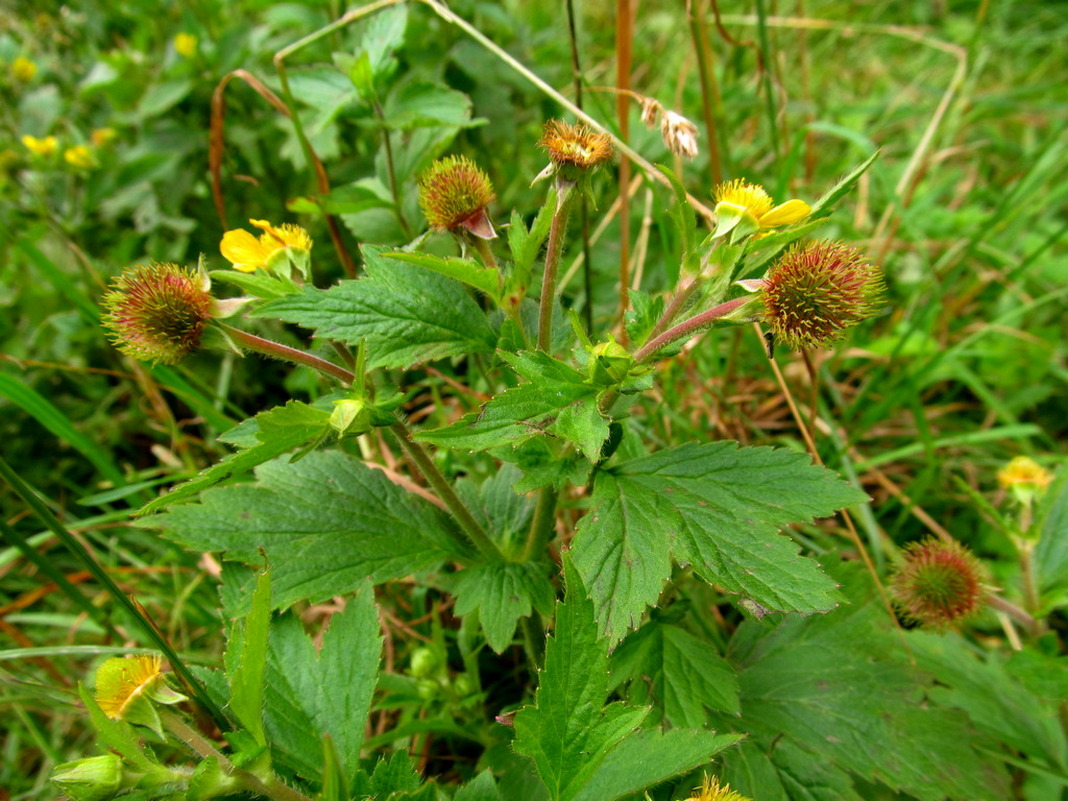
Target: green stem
{"points": [[279, 351], [673, 308], [552, 263], [189, 682], [688, 327], [541, 527], [425, 465], [1027, 575], [273, 788], [1022, 617]]}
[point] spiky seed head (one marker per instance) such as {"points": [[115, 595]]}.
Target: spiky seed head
{"points": [[816, 291], [575, 145], [158, 312], [454, 193], [938, 583]]}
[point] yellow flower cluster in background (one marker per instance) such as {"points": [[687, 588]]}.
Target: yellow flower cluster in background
{"points": [[45, 147], [185, 44], [23, 70]]}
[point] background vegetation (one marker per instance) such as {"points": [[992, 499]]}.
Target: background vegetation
{"points": [[965, 210]]}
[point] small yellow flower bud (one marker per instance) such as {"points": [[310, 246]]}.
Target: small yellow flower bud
{"points": [[45, 147], [1025, 478], [185, 44], [23, 70], [80, 156]]}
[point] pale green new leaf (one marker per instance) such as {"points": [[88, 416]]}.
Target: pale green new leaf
{"points": [[568, 731], [278, 430], [406, 314], [717, 507], [326, 523], [684, 674]]}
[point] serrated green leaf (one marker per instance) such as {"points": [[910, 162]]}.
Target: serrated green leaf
{"points": [[839, 689], [257, 284], [481, 788], [246, 660], [311, 693], [279, 430], [650, 757], [685, 674], [715, 506], [557, 400], [822, 207], [525, 244], [568, 731], [503, 592], [484, 279], [406, 314], [421, 104], [326, 523]]}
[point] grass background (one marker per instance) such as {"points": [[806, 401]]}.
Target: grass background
{"points": [[965, 210]]}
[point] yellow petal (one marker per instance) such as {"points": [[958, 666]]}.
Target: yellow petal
{"points": [[243, 250], [785, 213]]}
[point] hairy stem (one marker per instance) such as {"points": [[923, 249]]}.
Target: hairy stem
{"points": [[688, 327], [552, 263], [279, 351], [425, 465], [541, 527]]}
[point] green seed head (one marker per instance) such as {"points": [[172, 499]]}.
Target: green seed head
{"points": [[938, 584], [455, 194]]}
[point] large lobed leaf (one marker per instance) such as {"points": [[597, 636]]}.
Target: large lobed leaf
{"points": [[406, 314], [582, 748], [326, 523], [716, 506]]}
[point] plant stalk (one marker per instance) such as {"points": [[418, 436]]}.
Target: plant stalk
{"points": [[552, 264], [425, 465], [688, 327], [279, 351]]}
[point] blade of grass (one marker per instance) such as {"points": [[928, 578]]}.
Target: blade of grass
{"points": [[134, 609]]}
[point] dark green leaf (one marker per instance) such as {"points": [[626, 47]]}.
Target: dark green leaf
{"points": [[246, 660], [481, 788], [406, 314], [419, 105], [568, 731], [484, 279], [650, 757], [279, 430], [326, 523], [503, 592], [557, 401], [684, 674], [715, 506], [311, 693], [257, 284]]}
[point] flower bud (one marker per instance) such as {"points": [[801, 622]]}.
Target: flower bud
{"points": [[97, 778], [938, 583], [816, 291], [454, 194], [351, 416], [158, 313]]}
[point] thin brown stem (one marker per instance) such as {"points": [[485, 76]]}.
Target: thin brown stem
{"points": [[279, 351], [688, 327]]}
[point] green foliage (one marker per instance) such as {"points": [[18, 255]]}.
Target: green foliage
{"points": [[327, 522], [564, 538], [716, 507]]}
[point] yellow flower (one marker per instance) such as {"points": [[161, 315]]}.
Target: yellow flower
{"points": [[120, 682], [739, 198], [1025, 478], [127, 687], [710, 790], [80, 156], [40, 147], [22, 69], [103, 136], [185, 44], [248, 253]]}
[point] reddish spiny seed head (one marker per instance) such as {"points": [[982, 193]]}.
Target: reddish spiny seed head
{"points": [[575, 145], [157, 313], [938, 584], [454, 191], [818, 290]]}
